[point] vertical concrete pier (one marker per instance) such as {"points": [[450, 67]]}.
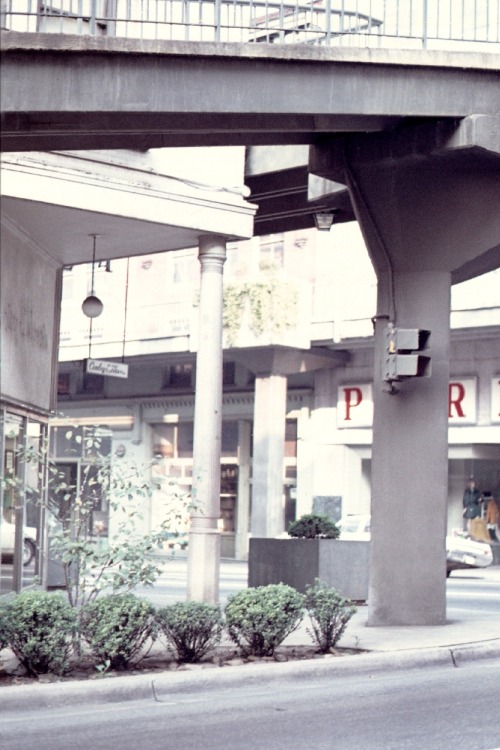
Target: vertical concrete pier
{"points": [[204, 537]]}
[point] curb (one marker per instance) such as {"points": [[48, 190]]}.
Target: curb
{"points": [[470, 652], [163, 686]]}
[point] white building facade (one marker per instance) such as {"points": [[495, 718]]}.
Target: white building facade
{"points": [[298, 330]]}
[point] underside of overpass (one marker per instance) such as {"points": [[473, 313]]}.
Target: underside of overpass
{"points": [[407, 143], [276, 100]]}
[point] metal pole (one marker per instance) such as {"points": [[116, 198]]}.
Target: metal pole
{"points": [[328, 25], [424, 24], [218, 19], [93, 16]]}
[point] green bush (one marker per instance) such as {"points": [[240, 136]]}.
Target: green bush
{"points": [[3, 625], [191, 628], [40, 627], [259, 619], [329, 613], [116, 627], [313, 526]]}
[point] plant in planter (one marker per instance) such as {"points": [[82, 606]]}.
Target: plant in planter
{"points": [[314, 526], [312, 551]]}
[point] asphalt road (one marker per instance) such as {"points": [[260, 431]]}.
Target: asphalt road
{"points": [[171, 586], [466, 591], [422, 709]]}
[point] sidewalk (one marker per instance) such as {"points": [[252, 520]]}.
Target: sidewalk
{"points": [[456, 632], [389, 648]]}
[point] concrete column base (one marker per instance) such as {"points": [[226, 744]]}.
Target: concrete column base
{"points": [[204, 566]]}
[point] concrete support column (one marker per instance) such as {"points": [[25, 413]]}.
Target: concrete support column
{"points": [[243, 509], [409, 465], [305, 462], [427, 200], [204, 537], [268, 455], [354, 500], [326, 454]]}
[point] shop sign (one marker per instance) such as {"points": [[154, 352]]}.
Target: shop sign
{"points": [[109, 369], [355, 403], [462, 401]]}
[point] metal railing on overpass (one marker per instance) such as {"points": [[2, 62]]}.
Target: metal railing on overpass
{"points": [[385, 24]]}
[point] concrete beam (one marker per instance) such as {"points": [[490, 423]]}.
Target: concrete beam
{"points": [[284, 360], [283, 196], [181, 93], [427, 196]]}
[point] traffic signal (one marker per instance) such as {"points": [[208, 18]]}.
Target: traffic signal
{"points": [[402, 355]]}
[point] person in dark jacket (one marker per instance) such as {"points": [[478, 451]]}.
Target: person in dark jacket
{"points": [[472, 502]]}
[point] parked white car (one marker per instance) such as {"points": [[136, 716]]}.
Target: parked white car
{"points": [[7, 534], [177, 540], [462, 552]]}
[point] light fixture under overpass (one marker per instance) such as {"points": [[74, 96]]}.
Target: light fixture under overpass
{"points": [[324, 220], [92, 306]]}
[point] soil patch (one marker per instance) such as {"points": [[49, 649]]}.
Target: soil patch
{"points": [[158, 660]]}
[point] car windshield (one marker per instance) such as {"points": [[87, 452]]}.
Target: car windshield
{"points": [[351, 525]]}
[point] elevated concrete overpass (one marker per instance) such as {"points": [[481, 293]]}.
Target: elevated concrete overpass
{"points": [[139, 94], [408, 143], [84, 92]]}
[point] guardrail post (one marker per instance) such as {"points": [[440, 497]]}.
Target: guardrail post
{"points": [[3, 15], [218, 20], [93, 17], [424, 24], [328, 21]]}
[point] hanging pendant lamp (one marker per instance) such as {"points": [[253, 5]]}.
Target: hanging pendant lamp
{"points": [[92, 306]]}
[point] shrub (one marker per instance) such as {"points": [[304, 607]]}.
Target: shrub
{"points": [[191, 628], [3, 625], [329, 613], [39, 627], [312, 526], [116, 627], [126, 559], [259, 619]]}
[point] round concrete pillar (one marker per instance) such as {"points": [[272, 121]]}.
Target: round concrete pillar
{"points": [[204, 538]]}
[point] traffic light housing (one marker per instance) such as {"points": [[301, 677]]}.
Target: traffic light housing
{"points": [[402, 356]]}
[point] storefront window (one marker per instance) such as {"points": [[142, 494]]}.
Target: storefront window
{"points": [[21, 496], [228, 495], [97, 443], [81, 460], [229, 445], [66, 441], [185, 439], [164, 440], [291, 438]]}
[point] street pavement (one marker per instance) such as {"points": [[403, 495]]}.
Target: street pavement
{"points": [[460, 641]]}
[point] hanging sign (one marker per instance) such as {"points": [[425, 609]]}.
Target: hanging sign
{"points": [[110, 369]]}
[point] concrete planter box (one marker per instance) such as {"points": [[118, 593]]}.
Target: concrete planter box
{"points": [[297, 562]]}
